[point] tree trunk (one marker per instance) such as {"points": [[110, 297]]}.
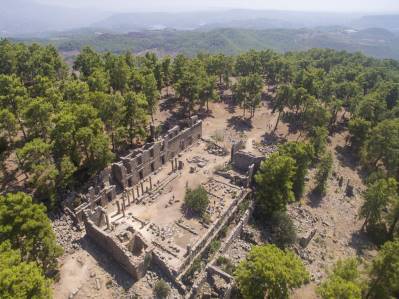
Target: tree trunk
{"points": [[278, 120]]}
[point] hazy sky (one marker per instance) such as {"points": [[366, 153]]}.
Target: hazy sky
{"points": [[173, 5]]}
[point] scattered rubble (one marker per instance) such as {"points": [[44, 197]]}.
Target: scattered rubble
{"points": [[68, 235], [217, 150]]}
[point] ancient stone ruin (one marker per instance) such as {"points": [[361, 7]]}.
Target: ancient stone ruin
{"points": [[135, 210]]}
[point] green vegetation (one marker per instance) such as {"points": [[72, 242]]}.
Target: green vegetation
{"points": [[225, 264], [247, 92], [302, 153], [274, 182], [196, 201], [28, 249], [194, 268], [161, 289], [20, 279], [343, 282], [323, 173], [283, 230], [270, 272], [61, 127], [384, 273], [231, 41], [381, 206], [26, 226], [379, 279]]}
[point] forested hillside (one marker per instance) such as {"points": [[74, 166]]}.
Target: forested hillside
{"points": [[59, 127], [379, 43]]}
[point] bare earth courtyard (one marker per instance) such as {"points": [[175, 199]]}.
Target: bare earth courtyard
{"points": [[147, 218]]}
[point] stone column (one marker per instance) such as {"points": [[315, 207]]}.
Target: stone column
{"points": [[173, 168], [133, 197], [150, 183], [107, 220], [142, 187], [138, 191], [118, 204], [123, 199], [123, 209], [128, 197], [175, 164]]}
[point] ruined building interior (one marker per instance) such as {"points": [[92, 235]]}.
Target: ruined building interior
{"points": [[136, 211]]}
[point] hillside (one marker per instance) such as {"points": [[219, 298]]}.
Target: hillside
{"points": [[379, 43]]}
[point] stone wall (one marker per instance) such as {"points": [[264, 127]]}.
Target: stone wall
{"points": [[136, 266], [215, 229], [94, 198], [243, 160], [133, 168], [144, 161]]}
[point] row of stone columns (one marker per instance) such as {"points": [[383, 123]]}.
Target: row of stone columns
{"points": [[126, 196], [174, 164], [105, 215]]}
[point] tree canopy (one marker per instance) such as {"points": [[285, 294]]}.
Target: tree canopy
{"points": [[269, 272]]}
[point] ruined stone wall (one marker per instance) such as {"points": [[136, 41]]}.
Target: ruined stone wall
{"points": [[204, 242], [242, 160], [134, 265], [142, 162], [131, 169], [94, 198], [238, 228]]}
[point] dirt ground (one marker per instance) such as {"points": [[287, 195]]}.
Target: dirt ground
{"points": [[334, 217]]}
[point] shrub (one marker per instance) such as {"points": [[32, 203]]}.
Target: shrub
{"points": [[342, 282], [213, 247], [161, 289], [225, 264], [283, 230], [197, 200]]}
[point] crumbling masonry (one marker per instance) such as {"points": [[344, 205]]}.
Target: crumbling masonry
{"points": [[135, 211], [135, 167]]}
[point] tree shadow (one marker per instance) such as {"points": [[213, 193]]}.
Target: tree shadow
{"points": [[231, 105], [292, 121], [173, 119], [107, 263], [339, 128], [346, 156], [168, 104], [360, 242], [240, 124], [272, 138], [203, 113], [315, 198]]}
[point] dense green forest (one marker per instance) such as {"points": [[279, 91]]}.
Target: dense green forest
{"points": [[61, 126], [379, 43]]}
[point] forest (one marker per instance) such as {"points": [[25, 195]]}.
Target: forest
{"points": [[61, 125]]}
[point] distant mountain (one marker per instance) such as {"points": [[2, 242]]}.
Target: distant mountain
{"points": [[390, 22], [236, 18], [373, 42], [27, 17]]}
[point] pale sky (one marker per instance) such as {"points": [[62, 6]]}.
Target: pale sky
{"points": [[373, 6]]}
